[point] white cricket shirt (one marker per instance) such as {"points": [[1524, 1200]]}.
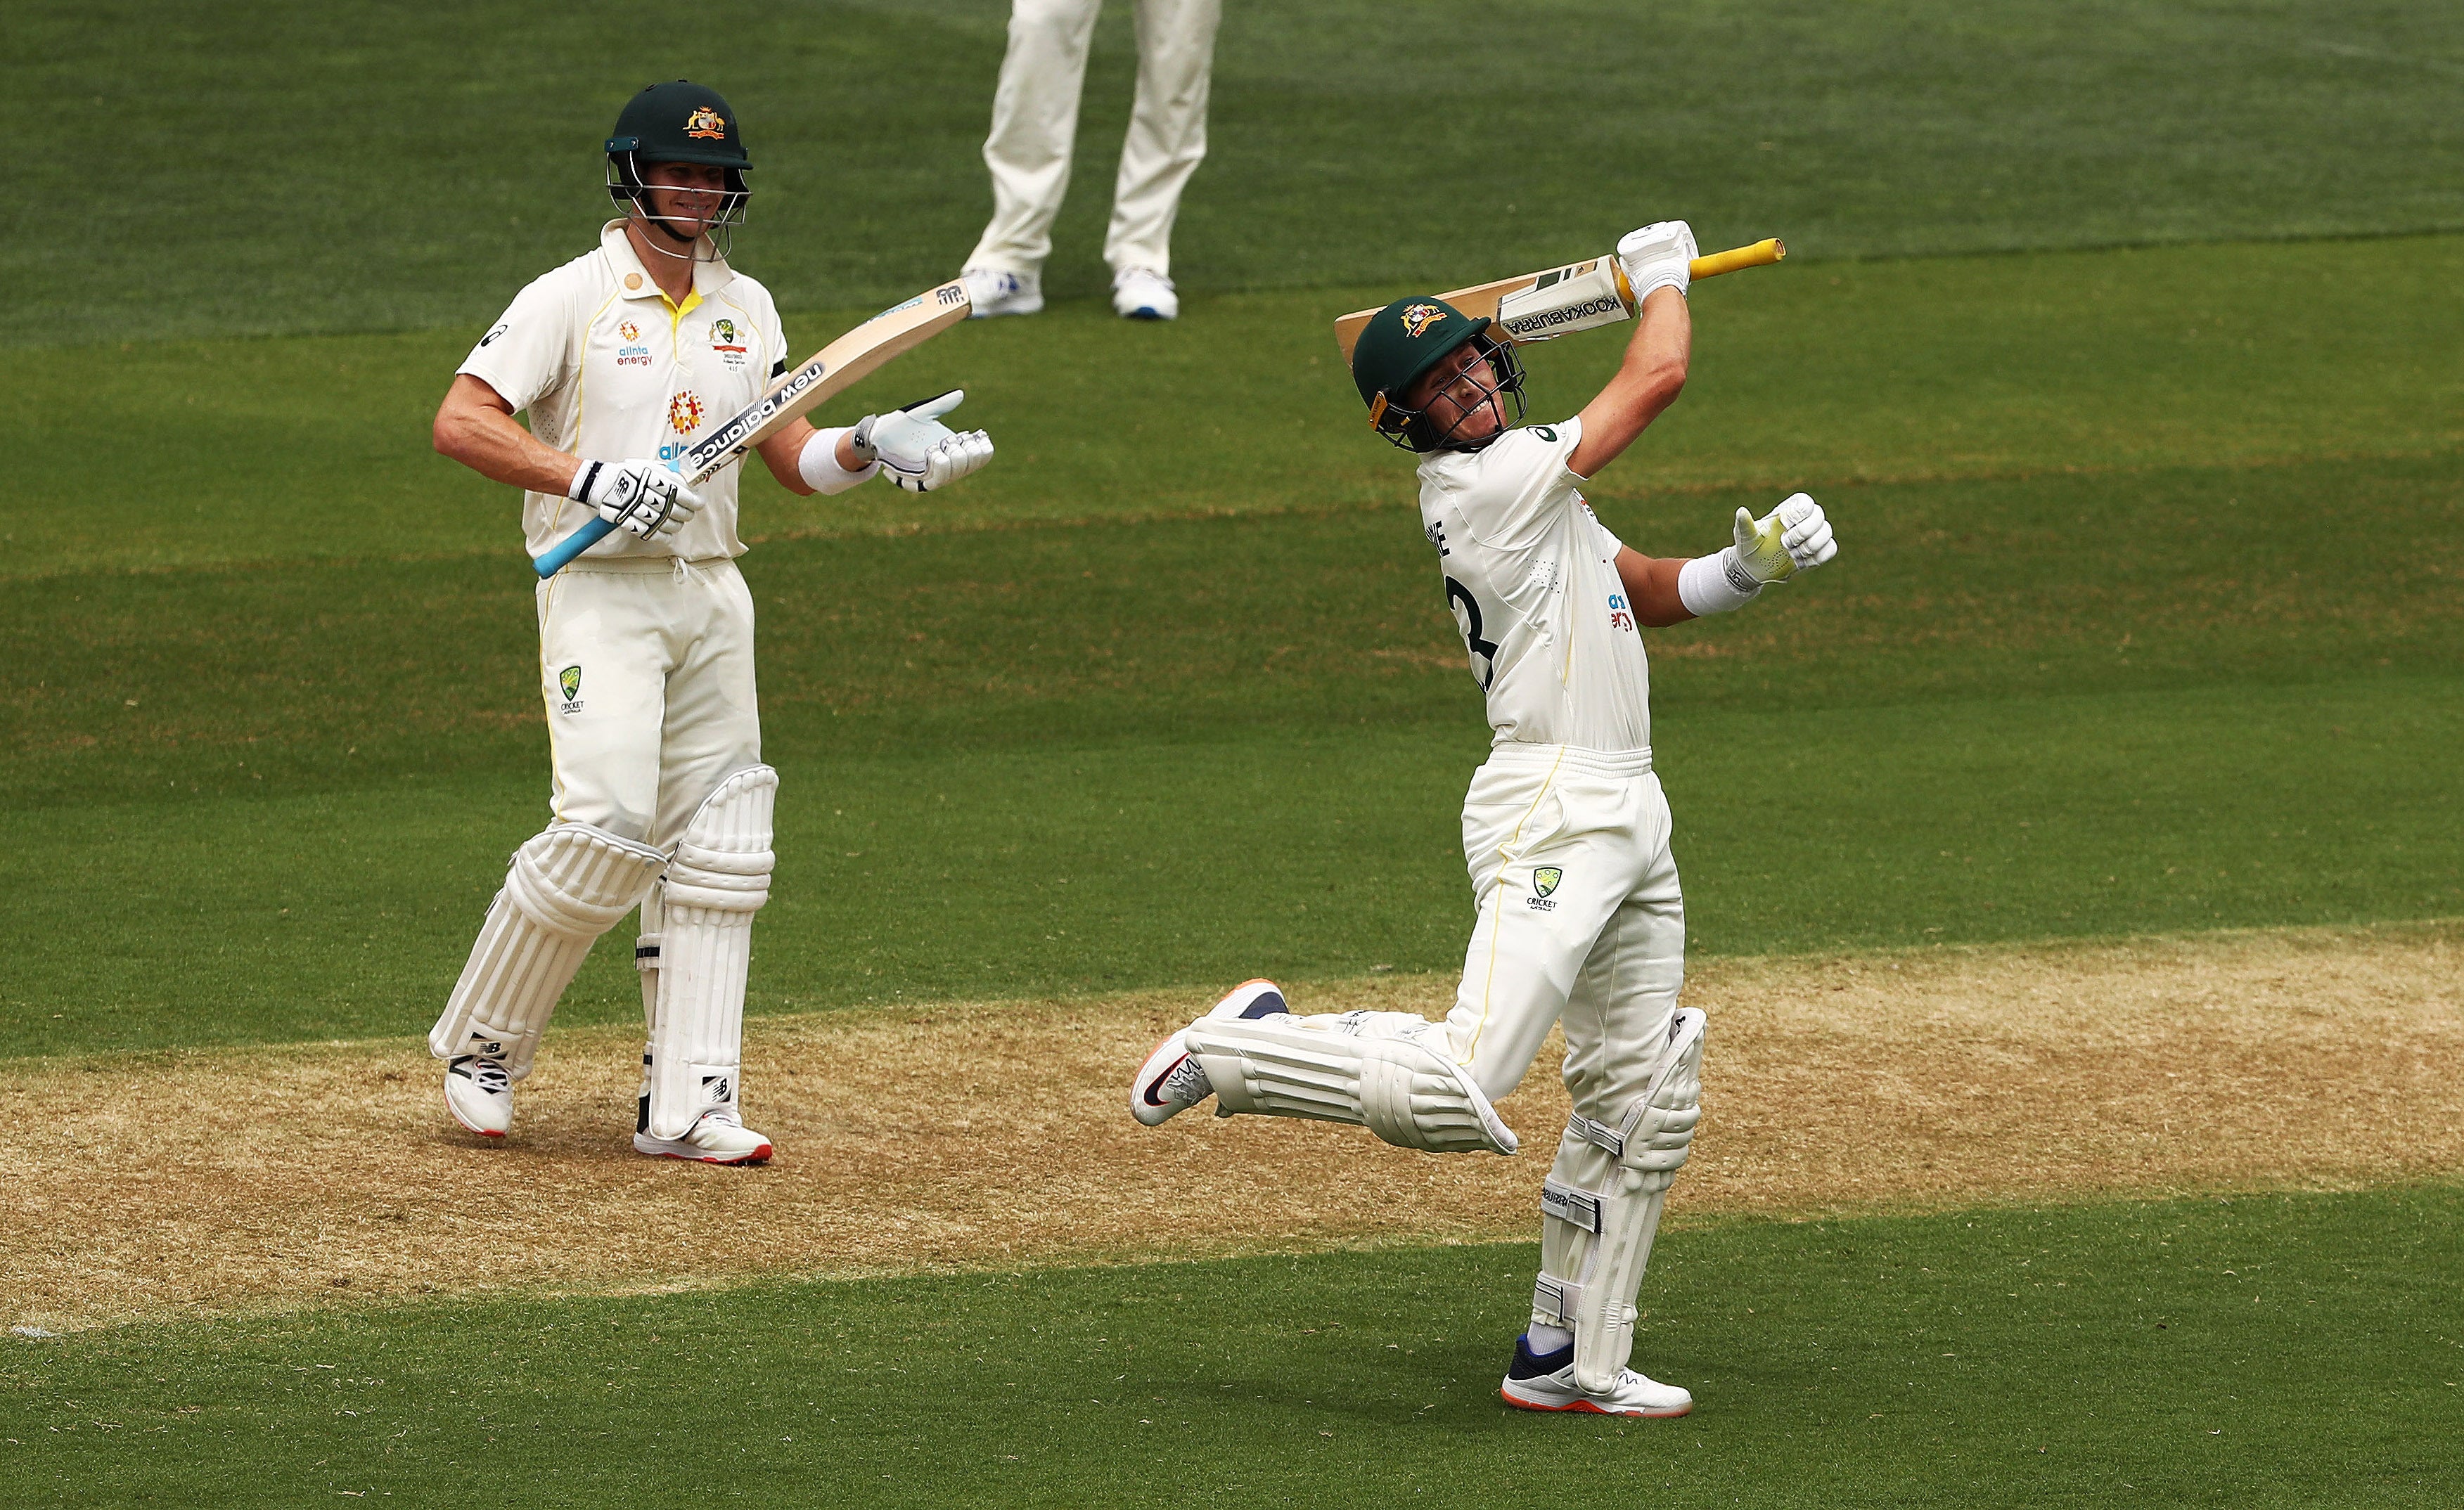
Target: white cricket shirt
{"points": [[610, 370], [1531, 578]]}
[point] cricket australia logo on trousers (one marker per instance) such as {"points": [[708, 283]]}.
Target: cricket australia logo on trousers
{"points": [[1544, 883], [569, 682]]}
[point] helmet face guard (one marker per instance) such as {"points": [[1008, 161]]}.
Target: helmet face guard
{"points": [[1434, 428], [631, 178]]}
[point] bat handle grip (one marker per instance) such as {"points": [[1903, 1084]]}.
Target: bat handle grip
{"points": [[560, 554], [1761, 254]]}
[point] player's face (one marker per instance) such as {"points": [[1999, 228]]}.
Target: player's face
{"points": [[685, 197], [1459, 395]]}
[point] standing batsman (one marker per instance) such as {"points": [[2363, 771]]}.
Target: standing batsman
{"points": [[660, 798], [1565, 829]]}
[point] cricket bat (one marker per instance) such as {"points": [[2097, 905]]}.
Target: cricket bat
{"points": [[898, 329], [1559, 301]]}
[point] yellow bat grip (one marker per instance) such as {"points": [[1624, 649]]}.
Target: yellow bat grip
{"points": [[1761, 254]]}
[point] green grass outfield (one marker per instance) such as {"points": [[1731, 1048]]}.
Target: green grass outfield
{"points": [[2257, 1352]]}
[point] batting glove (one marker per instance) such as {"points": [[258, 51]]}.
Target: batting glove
{"points": [[917, 450], [1658, 256], [641, 497], [1793, 537]]}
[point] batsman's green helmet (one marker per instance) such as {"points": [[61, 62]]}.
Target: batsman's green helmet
{"points": [[1403, 340], [680, 122]]}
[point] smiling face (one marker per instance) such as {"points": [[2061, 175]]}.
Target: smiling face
{"points": [[683, 200], [1462, 395]]}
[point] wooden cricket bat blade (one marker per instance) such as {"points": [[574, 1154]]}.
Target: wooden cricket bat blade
{"points": [[1481, 300]]}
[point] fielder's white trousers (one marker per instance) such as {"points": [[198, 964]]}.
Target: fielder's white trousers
{"points": [[1035, 123], [659, 653], [1600, 945]]}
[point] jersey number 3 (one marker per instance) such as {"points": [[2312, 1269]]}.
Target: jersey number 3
{"points": [[1484, 651]]}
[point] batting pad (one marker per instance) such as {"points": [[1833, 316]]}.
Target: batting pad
{"points": [[566, 887], [719, 878], [1600, 1208], [1387, 1071]]}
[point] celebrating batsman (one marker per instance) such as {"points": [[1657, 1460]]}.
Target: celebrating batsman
{"points": [[1565, 829], [645, 641]]}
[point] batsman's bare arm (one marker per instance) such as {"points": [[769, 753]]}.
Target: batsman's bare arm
{"points": [[1647, 383], [475, 426]]}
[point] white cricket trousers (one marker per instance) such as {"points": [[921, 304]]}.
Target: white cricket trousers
{"points": [[1035, 122], [1581, 922], [658, 653]]}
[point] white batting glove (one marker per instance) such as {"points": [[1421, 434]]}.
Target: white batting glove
{"points": [[1658, 256], [641, 497], [1793, 537], [916, 449]]}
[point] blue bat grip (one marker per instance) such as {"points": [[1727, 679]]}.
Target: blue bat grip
{"points": [[560, 554]]}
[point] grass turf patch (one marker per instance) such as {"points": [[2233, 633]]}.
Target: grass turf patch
{"points": [[2274, 1351], [993, 873], [418, 181]]}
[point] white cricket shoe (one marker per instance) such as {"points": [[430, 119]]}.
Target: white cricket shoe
{"points": [[718, 1138], [1546, 1383], [1144, 293], [998, 291], [478, 1092], [1169, 1081]]}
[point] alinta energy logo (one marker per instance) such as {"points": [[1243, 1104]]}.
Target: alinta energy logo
{"points": [[685, 412]]}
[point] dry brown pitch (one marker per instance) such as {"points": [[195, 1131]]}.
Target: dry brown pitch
{"points": [[206, 1182]]}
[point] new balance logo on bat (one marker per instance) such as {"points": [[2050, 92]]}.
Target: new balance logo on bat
{"points": [[730, 437]]}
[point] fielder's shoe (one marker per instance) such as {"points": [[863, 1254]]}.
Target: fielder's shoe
{"points": [[718, 1138], [1169, 1081], [1546, 1383], [478, 1092], [1144, 293], [998, 291]]}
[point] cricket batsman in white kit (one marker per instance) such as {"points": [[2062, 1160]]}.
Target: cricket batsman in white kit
{"points": [[1565, 829], [661, 800]]}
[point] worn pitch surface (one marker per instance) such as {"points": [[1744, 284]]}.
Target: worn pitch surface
{"points": [[994, 1135]]}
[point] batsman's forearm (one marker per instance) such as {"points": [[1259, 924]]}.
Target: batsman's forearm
{"points": [[1646, 383], [1651, 587], [489, 442]]}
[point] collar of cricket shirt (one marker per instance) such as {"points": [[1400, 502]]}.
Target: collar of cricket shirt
{"points": [[633, 281]]}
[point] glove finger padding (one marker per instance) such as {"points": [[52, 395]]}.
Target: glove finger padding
{"points": [[1808, 536], [945, 462]]}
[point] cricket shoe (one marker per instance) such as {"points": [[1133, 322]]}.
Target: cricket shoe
{"points": [[718, 1138], [998, 291], [1144, 293], [478, 1092], [1546, 1383], [1169, 1081]]}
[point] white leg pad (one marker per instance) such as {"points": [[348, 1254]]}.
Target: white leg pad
{"points": [[1390, 1072], [719, 878], [1600, 1208], [566, 887]]}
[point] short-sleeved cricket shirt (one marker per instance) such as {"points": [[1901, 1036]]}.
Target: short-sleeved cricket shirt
{"points": [[610, 369]]}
